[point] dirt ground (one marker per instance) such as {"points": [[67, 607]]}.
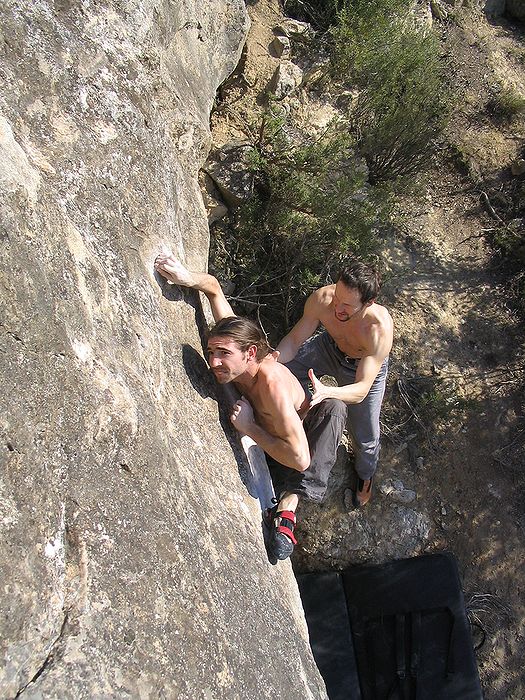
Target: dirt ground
{"points": [[452, 467], [453, 323]]}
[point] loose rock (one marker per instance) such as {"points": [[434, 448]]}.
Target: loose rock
{"points": [[286, 79], [395, 489], [228, 169], [280, 46], [215, 207], [292, 27]]}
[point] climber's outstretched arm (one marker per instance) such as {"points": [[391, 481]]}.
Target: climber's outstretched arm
{"points": [[173, 270]]}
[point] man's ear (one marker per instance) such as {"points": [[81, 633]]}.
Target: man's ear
{"points": [[252, 352]]}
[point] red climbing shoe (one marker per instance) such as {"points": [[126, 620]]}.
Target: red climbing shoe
{"points": [[282, 525]]}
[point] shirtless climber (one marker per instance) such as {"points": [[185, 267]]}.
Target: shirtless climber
{"points": [[273, 401], [353, 348]]}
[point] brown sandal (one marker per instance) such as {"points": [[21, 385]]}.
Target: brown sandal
{"points": [[363, 493]]}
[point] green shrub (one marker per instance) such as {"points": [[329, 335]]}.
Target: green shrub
{"points": [[317, 199], [403, 103], [322, 14], [310, 208], [434, 401], [509, 241], [507, 105], [361, 25]]}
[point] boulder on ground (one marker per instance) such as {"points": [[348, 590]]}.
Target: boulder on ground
{"points": [[215, 207], [280, 46], [292, 27], [228, 167], [286, 79]]}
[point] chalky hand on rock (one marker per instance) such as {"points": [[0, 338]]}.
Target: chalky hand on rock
{"points": [[167, 265]]}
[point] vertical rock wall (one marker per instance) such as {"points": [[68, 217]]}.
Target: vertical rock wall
{"points": [[131, 554]]}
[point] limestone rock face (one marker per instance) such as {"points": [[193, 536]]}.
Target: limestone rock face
{"points": [[131, 558]]}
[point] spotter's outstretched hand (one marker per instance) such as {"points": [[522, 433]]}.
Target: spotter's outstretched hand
{"points": [[319, 390]]}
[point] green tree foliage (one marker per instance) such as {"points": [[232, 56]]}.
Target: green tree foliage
{"points": [[317, 199], [403, 102], [311, 206], [324, 14]]}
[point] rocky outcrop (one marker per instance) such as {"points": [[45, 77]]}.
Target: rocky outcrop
{"points": [[229, 169], [132, 559]]}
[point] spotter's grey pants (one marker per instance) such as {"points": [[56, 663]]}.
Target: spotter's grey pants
{"points": [[324, 423]]}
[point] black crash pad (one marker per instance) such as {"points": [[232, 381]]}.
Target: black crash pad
{"points": [[397, 631]]}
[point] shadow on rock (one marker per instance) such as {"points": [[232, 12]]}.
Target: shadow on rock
{"points": [[198, 373], [171, 292]]}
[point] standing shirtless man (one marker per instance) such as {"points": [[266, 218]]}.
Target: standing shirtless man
{"points": [[353, 349], [273, 401]]}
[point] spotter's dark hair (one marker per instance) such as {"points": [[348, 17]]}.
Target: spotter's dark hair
{"points": [[365, 278]]}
